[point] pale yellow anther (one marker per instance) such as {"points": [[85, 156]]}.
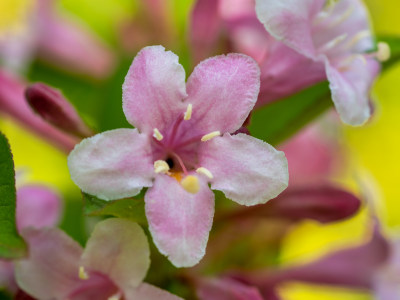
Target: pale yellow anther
{"points": [[83, 274], [383, 53], [157, 134], [205, 172], [210, 136], [161, 166], [115, 297], [191, 184], [188, 113]]}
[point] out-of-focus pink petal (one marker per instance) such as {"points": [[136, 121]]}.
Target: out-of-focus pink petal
{"points": [[12, 102], [205, 28], [51, 270], [179, 221], [246, 169], [85, 52], [321, 203], [37, 206], [119, 249], [52, 106], [226, 289], [112, 165], [149, 292], [223, 90], [350, 89], [97, 286], [311, 156], [154, 89], [7, 280], [354, 267], [290, 20]]}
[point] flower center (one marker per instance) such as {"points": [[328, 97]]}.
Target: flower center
{"points": [[176, 150]]}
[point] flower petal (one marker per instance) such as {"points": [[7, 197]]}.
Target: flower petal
{"points": [[290, 21], [51, 270], [149, 292], [37, 206], [226, 289], [223, 90], [179, 221], [119, 249], [112, 165], [246, 169], [153, 89], [7, 278], [350, 89]]}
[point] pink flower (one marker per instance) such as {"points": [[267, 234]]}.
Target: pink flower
{"points": [[37, 207], [112, 266], [335, 35], [182, 143], [56, 39]]}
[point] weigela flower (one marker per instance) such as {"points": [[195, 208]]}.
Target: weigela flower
{"points": [[183, 141], [112, 266], [336, 35]]}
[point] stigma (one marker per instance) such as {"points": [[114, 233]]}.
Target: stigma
{"points": [[83, 274], [191, 184], [210, 135], [383, 53]]}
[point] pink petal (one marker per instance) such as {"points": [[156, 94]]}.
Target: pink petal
{"points": [[52, 106], [85, 52], [119, 249], [246, 169], [179, 221], [154, 89], [291, 21], [51, 270], [226, 289], [37, 206], [149, 292], [7, 280], [97, 286], [112, 165], [350, 89], [205, 28], [223, 90], [12, 103]]}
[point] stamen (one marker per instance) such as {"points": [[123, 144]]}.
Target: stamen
{"points": [[188, 113], [161, 166], [210, 136], [115, 297], [332, 43], [383, 53], [157, 134], [83, 274], [343, 17], [205, 172], [358, 37], [191, 184]]}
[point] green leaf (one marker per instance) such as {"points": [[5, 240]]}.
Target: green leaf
{"points": [[11, 244], [394, 44], [129, 208], [281, 119]]}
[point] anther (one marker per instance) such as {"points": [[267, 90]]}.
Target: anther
{"points": [[210, 136], [161, 166], [205, 172], [383, 53], [157, 134], [83, 274], [332, 43], [115, 297], [188, 113], [191, 184]]}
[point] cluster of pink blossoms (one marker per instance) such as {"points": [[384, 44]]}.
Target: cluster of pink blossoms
{"points": [[189, 138]]}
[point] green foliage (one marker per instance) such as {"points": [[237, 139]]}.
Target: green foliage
{"points": [[11, 244], [281, 119], [129, 208]]}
